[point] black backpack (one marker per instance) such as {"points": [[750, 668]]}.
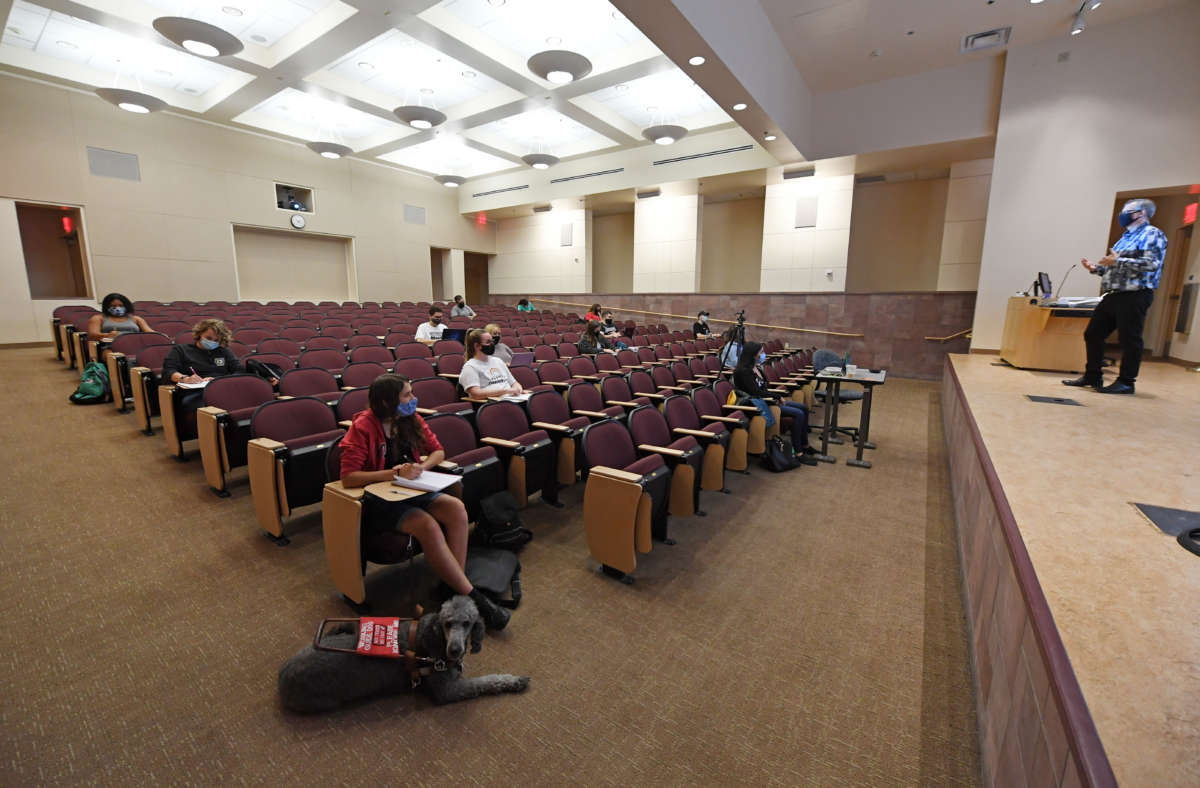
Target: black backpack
{"points": [[777, 458], [496, 573], [264, 369], [499, 524]]}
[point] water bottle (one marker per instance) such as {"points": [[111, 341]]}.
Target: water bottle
{"points": [[845, 361]]}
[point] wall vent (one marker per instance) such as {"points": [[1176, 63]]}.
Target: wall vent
{"points": [[870, 179], [649, 193], [587, 175], [113, 164], [414, 214], [689, 157], [807, 172], [988, 39], [501, 191], [806, 212], [566, 235]]}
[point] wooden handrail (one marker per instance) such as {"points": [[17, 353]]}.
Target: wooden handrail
{"points": [[955, 335], [712, 319]]}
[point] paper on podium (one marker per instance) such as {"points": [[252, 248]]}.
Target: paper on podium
{"points": [[429, 481]]}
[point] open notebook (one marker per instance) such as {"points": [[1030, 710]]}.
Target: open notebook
{"points": [[429, 481]]}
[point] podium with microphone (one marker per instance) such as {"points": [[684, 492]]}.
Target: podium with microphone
{"points": [[1043, 333]]}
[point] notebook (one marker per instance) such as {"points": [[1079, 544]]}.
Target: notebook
{"points": [[429, 481]]}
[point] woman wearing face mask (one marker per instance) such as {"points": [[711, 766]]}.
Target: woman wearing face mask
{"points": [[502, 351], [208, 358], [116, 317], [390, 439], [700, 327], [593, 341], [483, 374], [593, 313], [747, 377]]}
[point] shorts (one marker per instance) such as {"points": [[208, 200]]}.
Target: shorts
{"points": [[381, 515]]}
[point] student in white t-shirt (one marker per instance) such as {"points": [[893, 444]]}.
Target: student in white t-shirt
{"points": [[431, 331], [483, 375]]}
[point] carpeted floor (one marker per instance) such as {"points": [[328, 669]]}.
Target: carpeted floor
{"points": [[809, 631]]}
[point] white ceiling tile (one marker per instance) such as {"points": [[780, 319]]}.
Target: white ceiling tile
{"points": [[307, 117], [666, 97], [540, 131], [448, 155]]}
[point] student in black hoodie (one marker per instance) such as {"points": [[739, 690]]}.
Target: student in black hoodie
{"points": [[747, 377], [208, 357]]}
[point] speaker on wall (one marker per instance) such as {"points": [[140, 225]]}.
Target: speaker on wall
{"points": [[806, 212], [567, 234]]}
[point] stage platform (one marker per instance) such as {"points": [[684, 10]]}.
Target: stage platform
{"points": [[1083, 615]]}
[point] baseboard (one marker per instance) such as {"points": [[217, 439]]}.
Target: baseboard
{"points": [[982, 351], [17, 345]]}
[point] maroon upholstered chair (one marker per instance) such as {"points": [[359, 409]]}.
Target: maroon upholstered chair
{"points": [[361, 373], [479, 466], [412, 350], [544, 353], [414, 368], [438, 395], [363, 340], [450, 364], [369, 328], [377, 353], [665, 380], [350, 404], [556, 374], [341, 332], [277, 345], [548, 411], [278, 359], [607, 364], [325, 343], [626, 500], [286, 455], [682, 455], [394, 338], [616, 391], [683, 419], [301, 335], [250, 336], [643, 385], [586, 401], [144, 379], [447, 346], [708, 407], [223, 424], [330, 360], [121, 357], [310, 382], [567, 349], [528, 454], [529, 379], [584, 368]]}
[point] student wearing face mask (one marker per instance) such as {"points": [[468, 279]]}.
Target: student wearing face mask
{"points": [[502, 351], [700, 327], [207, 358], [1129, 274], [460, 308], [116, 318], [483, 374], [748, 378], [391, 439]]}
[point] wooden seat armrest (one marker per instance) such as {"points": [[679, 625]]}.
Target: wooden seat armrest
{"points": [[621, 403], [212, 410], [446, 465], [778, 391], [140, 370], [592, 413], [614, 473], [744, 408], [585, 377], [708, 377], [544, 425], [556, 383], [353, 493], [661, 450], [671, 388], [426, 411], [693, 381], [284, 396], [346, 424], [499, 442], [448, 375], [268, 444], [726, 419], [631, 366], [476, 400], [651, 396], [694, 433]]}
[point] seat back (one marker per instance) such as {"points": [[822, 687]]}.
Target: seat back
{"points": [[363, 340], [414, 368], [288, 419], [706, 402], [567, 350], [616, 389], [680, 412], [696, 367], [433, 392], [325, 343], [499, 419], [352, 402], [250, 336], [647, 425], [454, 432], [646, 355], [662, 377], [362, 373], [330, 360], [237, 391], [550, 407], [450, 363], [377, 353], [152, 357], [525, 376], [544, 353], [680, 370], [584, 398], [261, 325], [447, 347], [278, 359], [608, 443], [276, 345], [583, 365], [301, 335], [131, 344], [342, 332], [370, 328], [628, 358], [413, 350], [307, 382], [553, 372], [607, 362], [662, 353]]}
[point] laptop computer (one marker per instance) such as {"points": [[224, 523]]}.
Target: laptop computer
{"points": [[457, 334]]}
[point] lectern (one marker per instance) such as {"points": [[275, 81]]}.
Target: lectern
{"points": [[1037, 336]]}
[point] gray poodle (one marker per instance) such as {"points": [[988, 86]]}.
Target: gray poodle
{"points": [[316, 680]]}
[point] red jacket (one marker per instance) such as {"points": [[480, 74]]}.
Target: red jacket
{"points": [[364, 446]]}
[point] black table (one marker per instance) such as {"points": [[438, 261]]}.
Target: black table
{"points": [[868, 379]]}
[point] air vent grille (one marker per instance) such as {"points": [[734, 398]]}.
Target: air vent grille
{"points": [[414, 214], [113, 164], [721, 152], [649, 193], [807, 172], [501, 191], [988, 39], [870, 179], [541, 208], [587, 175]]}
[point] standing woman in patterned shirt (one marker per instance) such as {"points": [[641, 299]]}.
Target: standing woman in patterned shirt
{"points": [[1128, 275]]}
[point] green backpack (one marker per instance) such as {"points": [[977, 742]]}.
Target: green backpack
{"points": [[93, 385]]}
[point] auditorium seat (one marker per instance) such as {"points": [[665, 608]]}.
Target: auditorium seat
{"points": [[121, 357], [447, 347], [528, 454], [619, 391], [276, 345], [414, 368], [450, 364], [143, 384], [278, 359], [528, 379], [342, 332], [330, 360], [710, 411], [548, 411], [607, 364], [438, 395], [544, 353], [223, 424], [567, 349], [625, 502], [587, 401], [479, 466], [310, 382], [757, 430], [350, 404], [683, 419], [556, 374], [377, 353], [286, 455], [252, 336], [682, 455], [412, 350], [361, 373], [301, 335]]}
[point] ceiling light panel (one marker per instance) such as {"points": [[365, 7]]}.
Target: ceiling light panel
{"points": [[399, 69], [261, 22], [62, 46], [666, 97], [307, 117], [514, 31], [540, 131], [447, 155]]}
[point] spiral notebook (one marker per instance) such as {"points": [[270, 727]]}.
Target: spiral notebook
{"points": [[429, 481]]}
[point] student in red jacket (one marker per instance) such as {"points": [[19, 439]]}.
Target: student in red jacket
{"points": [[389, 439]]}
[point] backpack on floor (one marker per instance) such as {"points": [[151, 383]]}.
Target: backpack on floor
{"points": [[495, 572], [93, 387], [499, 523], [778, 458]]}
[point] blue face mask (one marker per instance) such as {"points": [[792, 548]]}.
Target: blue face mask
{"points": [[407, 408], [209, 344], [1125, 218], [762, 358], [116, 311]]}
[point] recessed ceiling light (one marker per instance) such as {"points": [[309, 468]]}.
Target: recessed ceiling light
{"points": [[130, 106], [259, 38], [420, 117], [696, 61], [769, 137], [1035, 2], [739, 106], [427, 91], [67, 45], [163, 72], [652, 108], [559, 66], [450, 181], [199, 38], [200, 48], [1096, 4], [231, 11], [365, 66], [420, 123], [540, 161], [329, 150], [189, 90], [131, 100], [469, 74], [559, 77], [664, 134], [553, 41]]}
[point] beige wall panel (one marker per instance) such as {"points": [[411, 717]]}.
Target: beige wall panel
{"points": [[731, 245], [612, 246], [896, 237], [968, 198], [962, 276], [290, 267], [160, 278], [198, 239], [115, 232]]}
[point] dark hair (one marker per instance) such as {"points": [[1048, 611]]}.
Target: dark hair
{"points": [[457, 298], [523, 302], [593, 328], [383, 397], [702, 312], [473, 339], [433, 310], [595, 310], [749, 355], [108, 299]]}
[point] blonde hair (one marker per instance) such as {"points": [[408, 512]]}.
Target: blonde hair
{"points": [[223, 333], [494, 330]]}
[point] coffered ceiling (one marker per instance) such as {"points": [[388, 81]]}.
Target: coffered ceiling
{"points": [[332, 71]]}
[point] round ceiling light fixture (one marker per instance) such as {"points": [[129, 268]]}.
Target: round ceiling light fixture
{"points": [[199, 38], [697, 60], [559, 66], [738, 107], [664, 134], [540, 161], [420, 117], [769, 137], [329, 150], [131, 100], [450, 181]]}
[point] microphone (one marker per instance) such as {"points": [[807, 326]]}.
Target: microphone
{"points": [[1062, 282]]}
